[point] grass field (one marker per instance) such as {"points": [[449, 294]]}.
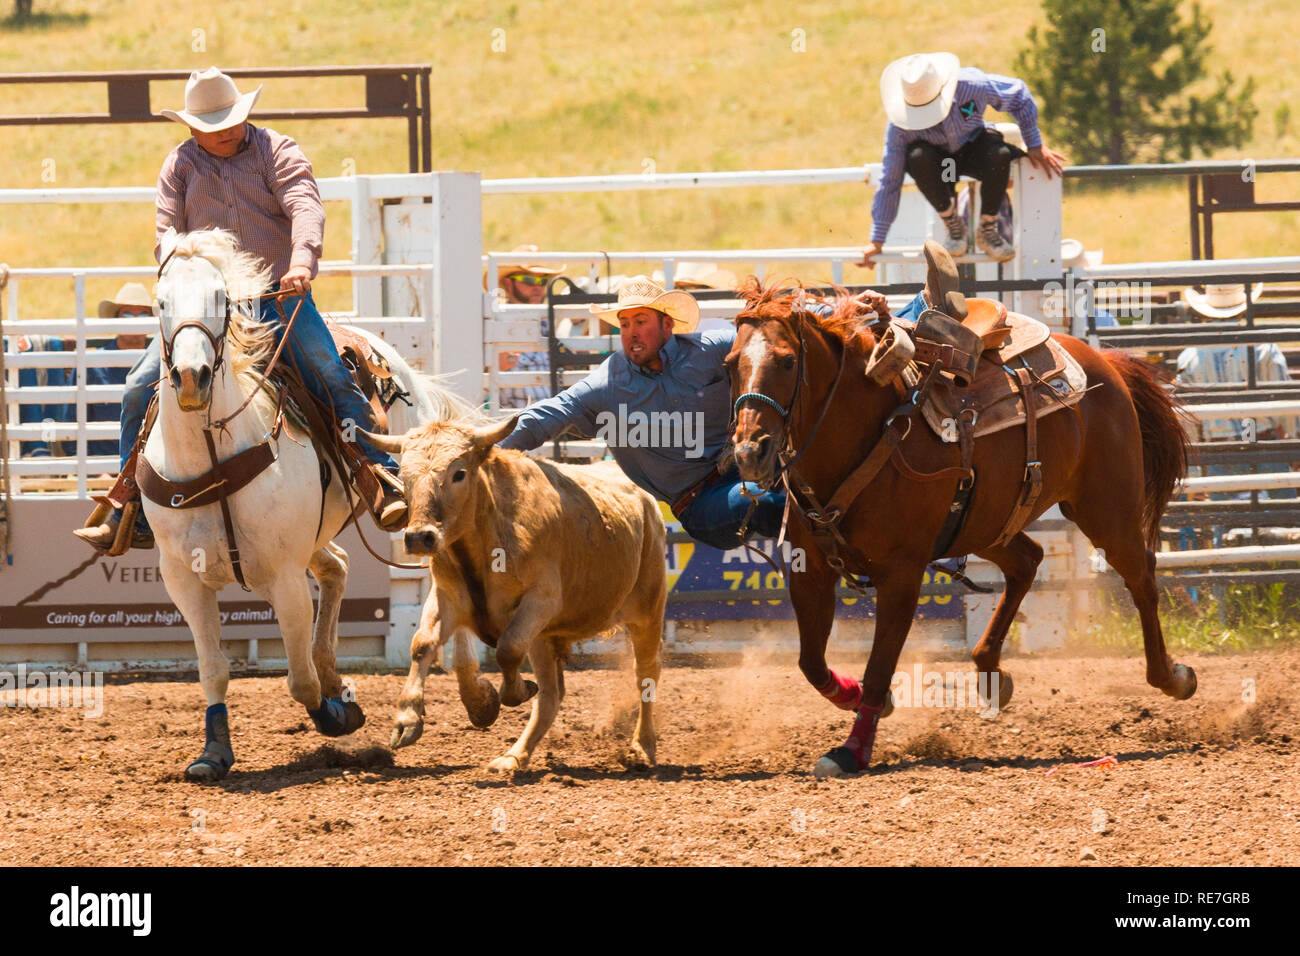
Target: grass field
{"points": [[582, 87]]}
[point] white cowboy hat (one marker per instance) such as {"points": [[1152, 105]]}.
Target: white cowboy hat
{"points": [[213, 102], [1221, 301], [705, 274], [642, 292], [504, 269], [131, 294], [1074, 256], [918, 90]]}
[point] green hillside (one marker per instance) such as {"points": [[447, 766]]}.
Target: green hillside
{"points": [[585, 87]]}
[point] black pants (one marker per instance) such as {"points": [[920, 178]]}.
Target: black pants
{"points": [[987, 158]]}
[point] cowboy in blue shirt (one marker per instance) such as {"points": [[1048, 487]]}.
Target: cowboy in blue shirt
{"points": [[937, 133], [663, 405]]}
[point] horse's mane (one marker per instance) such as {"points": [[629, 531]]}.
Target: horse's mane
{"points": [[251, 341], [785, 299]]}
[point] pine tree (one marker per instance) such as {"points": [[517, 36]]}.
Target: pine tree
{"points": [[1124, 81]]}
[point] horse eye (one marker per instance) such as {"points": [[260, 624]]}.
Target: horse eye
{"points": [[459, 475], [787, 363]]}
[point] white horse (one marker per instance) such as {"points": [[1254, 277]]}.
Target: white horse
{"points": [[276, 516]]}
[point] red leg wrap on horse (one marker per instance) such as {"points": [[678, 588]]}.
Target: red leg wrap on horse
{"points": [[863, 738], [844, 692]]}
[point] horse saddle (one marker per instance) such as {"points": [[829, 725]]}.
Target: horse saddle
{"points": [[372, 374]]}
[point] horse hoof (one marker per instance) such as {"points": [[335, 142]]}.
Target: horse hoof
{"points": [[483, 713], [889, 705], [208, 768], [1183, 684], [506, 763], [530, 689], [337, 717], [407, 731], [1005, 687], [840, 762]]}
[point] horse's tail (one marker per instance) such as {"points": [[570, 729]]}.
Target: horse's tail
{"points": [[1164, 441]]}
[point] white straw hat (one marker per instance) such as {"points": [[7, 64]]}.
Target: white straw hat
{"points": [[918, 90], [1221, 301], [642, 292], [1074, 256], [213, 102]]}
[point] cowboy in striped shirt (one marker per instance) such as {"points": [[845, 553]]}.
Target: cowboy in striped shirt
{"points": [[258, 184], [937, 133]]}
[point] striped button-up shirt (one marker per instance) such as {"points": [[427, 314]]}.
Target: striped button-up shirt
{"points": [[665, 429], [1222, 364], [265, 194], [975, 91]]}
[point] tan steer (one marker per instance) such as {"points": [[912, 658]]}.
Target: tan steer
{"points": [[530, 556]]}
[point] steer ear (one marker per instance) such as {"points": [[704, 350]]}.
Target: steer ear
{"points": [[488, 435], [387, 443]]}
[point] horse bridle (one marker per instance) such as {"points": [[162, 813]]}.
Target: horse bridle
{"points": [[801, 378], [217, 340]]}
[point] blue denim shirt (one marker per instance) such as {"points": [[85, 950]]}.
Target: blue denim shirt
{"points": [[665, 429]]}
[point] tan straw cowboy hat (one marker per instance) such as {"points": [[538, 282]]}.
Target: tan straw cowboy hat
{"points": [[537, 269], [213, 102], [131, 294], [1221, 301], [642, 292], [918, 90]]}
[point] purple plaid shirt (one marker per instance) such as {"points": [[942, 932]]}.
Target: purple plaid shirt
{"points": [[265, 194], [975, 91]]}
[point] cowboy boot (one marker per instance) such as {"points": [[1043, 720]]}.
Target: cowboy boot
{"points": [[941, 282], [107, 535], [390, 509]]}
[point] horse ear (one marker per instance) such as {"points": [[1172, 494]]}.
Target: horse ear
{"points": [[488, 435], [392, 444], [167, 243]]}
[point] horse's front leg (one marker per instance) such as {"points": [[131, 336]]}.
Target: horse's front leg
{"points": [[812, 592], [333, 716], [896, 596], [198, 604], [329, 566]]}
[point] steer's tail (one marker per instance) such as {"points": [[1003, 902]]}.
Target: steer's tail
{"points": [[1164, 441]]}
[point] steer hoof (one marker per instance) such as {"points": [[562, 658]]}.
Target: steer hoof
{"points": [[506, 763], [484, 711], [1183, 684], [507, 698], [409, 728]]}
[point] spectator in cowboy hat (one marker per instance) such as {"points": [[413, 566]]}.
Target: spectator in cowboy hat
{"points": [[258, 184], [132, 299], [525, 284], [1221, 364], [937, 132]]}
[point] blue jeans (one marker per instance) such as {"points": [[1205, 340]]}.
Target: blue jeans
{"points": [[312, 350], [715, 516], [913, 309]]}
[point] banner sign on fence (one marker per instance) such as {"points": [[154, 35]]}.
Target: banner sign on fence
{"points": [[695, 567]]}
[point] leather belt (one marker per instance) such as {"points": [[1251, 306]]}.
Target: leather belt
{"points": [[681, 504]]}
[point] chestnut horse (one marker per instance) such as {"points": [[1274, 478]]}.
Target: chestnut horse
{"points": [[799, 388]]}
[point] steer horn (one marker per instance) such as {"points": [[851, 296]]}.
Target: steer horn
{"points": [[392, 444]]}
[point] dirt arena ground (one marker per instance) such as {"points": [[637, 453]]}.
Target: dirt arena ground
{"points": [[1209, 781]]}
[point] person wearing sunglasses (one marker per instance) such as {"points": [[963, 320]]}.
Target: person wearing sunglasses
{"points": [[525, 285]]}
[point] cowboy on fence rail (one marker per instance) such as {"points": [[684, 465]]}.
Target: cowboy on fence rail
{"points": [[257, 184]]}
